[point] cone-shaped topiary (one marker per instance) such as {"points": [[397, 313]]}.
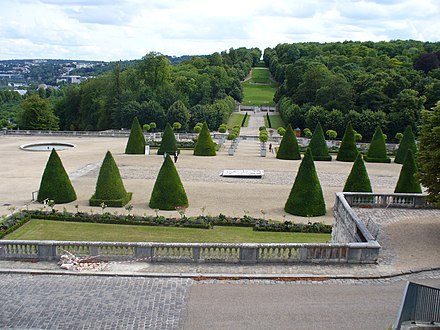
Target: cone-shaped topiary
{"points": [[306, 198], [136, 141], [377, 153], [55, 184], [204, 146], [110, 189], [348, 151], [408, 142], [358, 180], [168, 143], [289, 148], [408, 182], [318, 146], [168, 191]]}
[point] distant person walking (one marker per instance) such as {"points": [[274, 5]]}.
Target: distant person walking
{"points": [[270, 147], [176, 154], [165, 155]]}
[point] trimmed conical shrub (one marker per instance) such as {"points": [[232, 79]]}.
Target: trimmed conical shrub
{"points": [[136, 141], [408, 142], [306, 198], [408, 182], [168, 191], [358, 180], [348, 151], [55, 184], [289, 148], [204, 146], [168, 143], [377, 153], [318, 146], [110, 189]]}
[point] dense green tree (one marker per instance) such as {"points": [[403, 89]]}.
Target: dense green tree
{"points": [[408, 182], [136, 141], [37, 113], [377, 152], [204, 145], [408, 141], [318, 146], [168, 143], [358, 180], [55, 184], [168, 191], [110, 189], [306, 198], [178, 112], [289, 148], [428, 155], [348, 151]]}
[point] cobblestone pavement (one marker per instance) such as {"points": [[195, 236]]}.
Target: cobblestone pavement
{"points": [[88, 302]]}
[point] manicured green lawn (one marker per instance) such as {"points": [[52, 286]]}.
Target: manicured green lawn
{"points": [[260, 75], [235, 119], [258, 94], [276, 121], [76, 231]]}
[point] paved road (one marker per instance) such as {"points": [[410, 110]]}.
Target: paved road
{"points": [[98, 302]]}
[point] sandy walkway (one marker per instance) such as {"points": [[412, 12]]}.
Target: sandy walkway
{"points": [[21, 173]]}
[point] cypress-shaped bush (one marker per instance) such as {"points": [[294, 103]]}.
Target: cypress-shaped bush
{"points": [[204, 146], [318, 146], [168, 191], [168, 143], [358, 180], [408, 142], [289, 148], [377, 152], [306, 198], [55, 184], [110, 189], [136, 141], [408, 182], [348, 151]]}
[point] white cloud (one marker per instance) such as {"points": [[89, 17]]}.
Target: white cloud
{"points": [[128, 29]]}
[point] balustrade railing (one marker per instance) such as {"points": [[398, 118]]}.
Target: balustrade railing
{"points": [[192, 252]]}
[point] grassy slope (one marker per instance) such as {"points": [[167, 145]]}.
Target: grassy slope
{"points": [[235, 119], [258, 94], [74, 231], [275, 120]]}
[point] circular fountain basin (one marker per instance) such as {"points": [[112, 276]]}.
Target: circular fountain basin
{"points": [[46, 146]]}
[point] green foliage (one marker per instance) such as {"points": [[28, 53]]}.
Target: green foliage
{"points": [[377, 153], [222, 128], [318, 146], [308, 132], [332, 134], [169, 143], [348, 151], [110, 189], [428, 155], [146, 127], [168, 191], [264, 135], [281, 131], [37, 114], [204, 146], [177, 126], [306, 198], [408, 182], [289, 148], [358, 180], [55, 184], [136, 141], [407, 142]]}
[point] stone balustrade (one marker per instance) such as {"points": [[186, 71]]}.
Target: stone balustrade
{"points": [[246, 253]]}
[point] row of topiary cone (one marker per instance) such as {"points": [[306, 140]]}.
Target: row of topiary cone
{"points": [[168, 191], [136, 141], [377, 153]]}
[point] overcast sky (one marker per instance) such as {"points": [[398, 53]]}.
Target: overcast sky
{"points": [[128, 29]]}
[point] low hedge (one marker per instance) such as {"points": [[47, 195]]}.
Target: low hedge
{"points": [[202, 222]]}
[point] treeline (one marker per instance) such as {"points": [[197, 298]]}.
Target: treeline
{"points": [[154, 90], [371, 84]]}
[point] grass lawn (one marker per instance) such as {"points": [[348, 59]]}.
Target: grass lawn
{"points": [[235, 119], [275, 120], [260, 75], [77, 231], [258, 94]]}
